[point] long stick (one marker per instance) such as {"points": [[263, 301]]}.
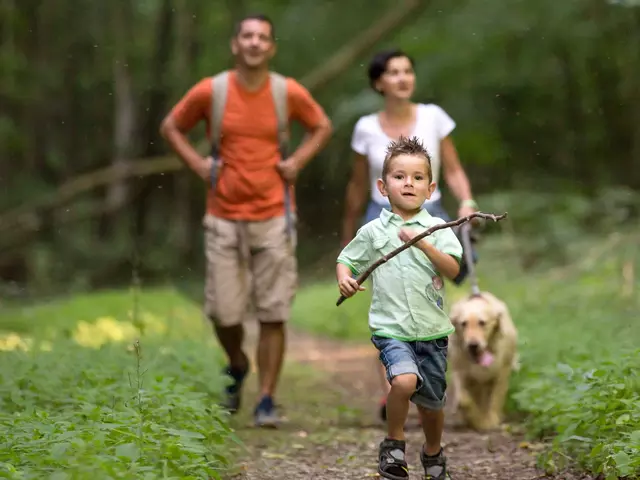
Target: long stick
{"points": [[417, 238]]}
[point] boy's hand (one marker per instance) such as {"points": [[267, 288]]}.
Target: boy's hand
{"points": [[349, 286], [406, 234]]}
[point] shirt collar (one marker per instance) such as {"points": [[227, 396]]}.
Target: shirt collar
{"points": [[422, 218]]}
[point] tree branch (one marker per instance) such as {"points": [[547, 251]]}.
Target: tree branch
{"points": [[331, 68], [417, 238]]}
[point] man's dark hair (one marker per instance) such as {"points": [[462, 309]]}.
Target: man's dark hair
{"points": [[380, 61], [405, 146], [257, 16]]}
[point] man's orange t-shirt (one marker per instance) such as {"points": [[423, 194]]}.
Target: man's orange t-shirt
{"points": [[249, 186]]}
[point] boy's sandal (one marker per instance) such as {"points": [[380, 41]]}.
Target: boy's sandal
{"points": [[435, 468], [392, 463]]}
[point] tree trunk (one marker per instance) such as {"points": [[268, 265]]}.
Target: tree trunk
{"points": [[124, 118], [156, 99]]}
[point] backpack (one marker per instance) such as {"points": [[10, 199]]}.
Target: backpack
{"points": [[279, 92]]}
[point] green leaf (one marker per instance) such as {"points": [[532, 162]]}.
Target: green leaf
{"points": [[128, 450], [623, 463], [184, 433], [59, 476], [60, 449], [622, 419]]}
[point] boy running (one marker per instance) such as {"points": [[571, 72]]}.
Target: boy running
{"points": [[407, 319]]}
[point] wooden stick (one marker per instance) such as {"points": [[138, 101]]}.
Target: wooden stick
{"points": [[417, 238]]}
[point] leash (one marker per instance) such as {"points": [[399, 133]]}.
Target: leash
{"points": [[465, 234]]}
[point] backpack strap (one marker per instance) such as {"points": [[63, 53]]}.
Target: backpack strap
{"points": [[279, 93], [219, 85]]}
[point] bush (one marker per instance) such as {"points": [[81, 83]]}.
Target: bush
{"points": [[100, 404], [592, 408]]}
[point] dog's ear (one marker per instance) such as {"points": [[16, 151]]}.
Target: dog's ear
{"points": [[454, 313], [501, 311]]}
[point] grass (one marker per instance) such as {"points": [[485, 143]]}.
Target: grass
{"points": [[578, 340], [102, 386]]}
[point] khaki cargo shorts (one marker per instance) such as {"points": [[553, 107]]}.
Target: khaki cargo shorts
{"points": [[251, 271]]}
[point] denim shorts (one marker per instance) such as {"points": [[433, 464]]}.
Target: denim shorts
{"points": [[427, 360], [435, 209]]}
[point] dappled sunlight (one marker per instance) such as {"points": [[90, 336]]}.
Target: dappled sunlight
{"points": [[13, 341], [103, 330]]}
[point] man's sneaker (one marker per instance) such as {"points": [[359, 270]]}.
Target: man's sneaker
{"points": [[435, 468], [233, 392], [265, 413], [391, 460]]}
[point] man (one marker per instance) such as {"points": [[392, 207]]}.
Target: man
{"points": [[250, 246]]}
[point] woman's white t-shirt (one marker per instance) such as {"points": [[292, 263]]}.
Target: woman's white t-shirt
{"points": [[431, 126]]}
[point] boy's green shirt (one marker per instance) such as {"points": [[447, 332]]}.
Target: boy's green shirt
{"points": [[407, 299]]}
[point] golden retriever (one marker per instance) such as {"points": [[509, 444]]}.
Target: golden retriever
{"points": [[482, 354]]}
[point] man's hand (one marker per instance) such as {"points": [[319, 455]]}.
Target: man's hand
{"points": [[289, 169], [349, 286], [204, 169]]}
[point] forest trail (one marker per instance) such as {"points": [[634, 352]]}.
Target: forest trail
{"points": [[329, 393]]}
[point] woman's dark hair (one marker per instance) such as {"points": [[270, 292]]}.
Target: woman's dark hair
{"points": [[379, 62]]}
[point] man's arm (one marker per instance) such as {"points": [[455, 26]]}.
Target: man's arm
{"points": [[315, 121], [183, 117], [456, 177]]}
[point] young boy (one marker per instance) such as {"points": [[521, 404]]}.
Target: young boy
{"points": [[407, 319]]}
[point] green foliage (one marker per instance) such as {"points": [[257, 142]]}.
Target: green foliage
{"points": [[578, 337], [554, 222], [593, 407], [315, 309], [543, 95], [101, 403]]}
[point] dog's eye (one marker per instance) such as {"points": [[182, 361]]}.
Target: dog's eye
{"points": [[482, 323], [463, 323]]}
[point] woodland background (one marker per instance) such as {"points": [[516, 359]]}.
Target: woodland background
{"points": [[544, 94]]}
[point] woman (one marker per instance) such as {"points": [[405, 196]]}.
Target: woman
{"points": [[391, 74]]}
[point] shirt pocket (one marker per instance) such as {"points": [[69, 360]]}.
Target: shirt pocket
{"points": [[382, 244]]}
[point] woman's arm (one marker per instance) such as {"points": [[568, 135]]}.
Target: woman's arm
{"points": [[356, 197], [456, 178]]}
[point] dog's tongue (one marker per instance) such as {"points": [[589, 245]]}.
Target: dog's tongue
{"points": [[486, 359]]}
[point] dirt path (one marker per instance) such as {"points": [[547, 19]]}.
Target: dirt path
{"points": [[329, 396]]}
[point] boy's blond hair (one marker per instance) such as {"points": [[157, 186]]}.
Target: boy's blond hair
{"points": [[405, 146]]}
